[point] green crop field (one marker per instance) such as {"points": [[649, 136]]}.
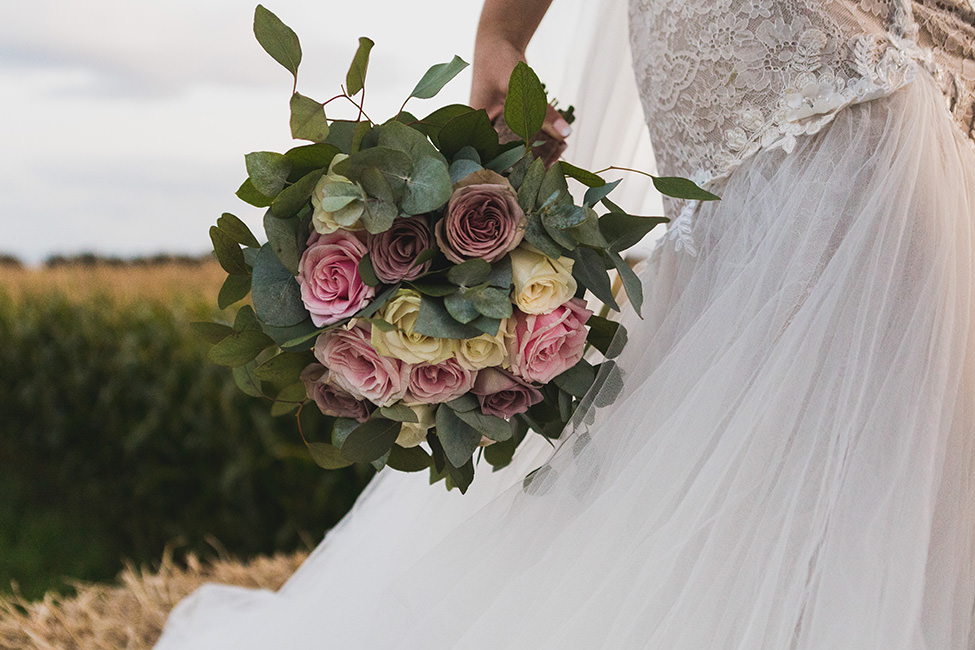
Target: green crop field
{"points": [[117, 438]]}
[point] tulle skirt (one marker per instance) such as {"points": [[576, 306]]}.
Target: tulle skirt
{"points": [[790, 464]]}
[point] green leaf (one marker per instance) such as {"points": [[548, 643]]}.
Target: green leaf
{"points": [[327, 456], [246, 320], [554, 189], [506, 159], [525, 105], [588, 232], [461, 168], [528, 192], [433, 289], [536, 235], [234, 289], [464, 403], [437, 77], [590, 271], [682, 188], [370, 440], [378, 302], [563, 216], [432, 123], [500, 274], [578, 379], [459, 439], [469, 273], [399, 412], [275, 292], [294, 337], [268, 171], [211, 332], [435, 320], [461, 308], [355, 78], [602, 333], [237, 230], [285, 240], [622, 230], [228, 252], [296, 196], [583, 176], [428, 188], [285, 368], [341, 430], [485, 325], [249, 194], [491, 426], [277, 39], [412, 459], [631, 283], [469, 129], [309, 157], [340, 135], [596, 194], [367, 273], [288, 399], [246, 381], [308, 119], [378, 215], [395, 166], [460, 477], [493, 302], [239, 348]]}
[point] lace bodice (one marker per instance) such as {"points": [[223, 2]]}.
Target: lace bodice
{"points": [[723, 79]]}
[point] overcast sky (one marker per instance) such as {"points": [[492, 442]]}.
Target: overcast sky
{"points": [[125, 122]]}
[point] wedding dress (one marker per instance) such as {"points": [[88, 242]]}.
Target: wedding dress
{"points": [[791, 462]]}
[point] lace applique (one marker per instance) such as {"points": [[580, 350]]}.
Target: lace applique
{"points": [[721, 83]]}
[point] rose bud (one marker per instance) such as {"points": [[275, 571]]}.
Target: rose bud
{"points": [[503, 394], [330, 399]]}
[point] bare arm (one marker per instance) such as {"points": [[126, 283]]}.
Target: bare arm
{"points": [[503, 33]]}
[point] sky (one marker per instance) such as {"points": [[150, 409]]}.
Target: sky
{"points": [[125, 122]]}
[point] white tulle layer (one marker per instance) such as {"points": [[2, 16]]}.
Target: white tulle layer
{"points": [[791, 465]]}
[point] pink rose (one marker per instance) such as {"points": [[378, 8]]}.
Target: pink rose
{"points": [[503, 394], [355, 366], [434, 383], [482, 220], [330, 399], [544, 345], [328, 275], [393, 251]]}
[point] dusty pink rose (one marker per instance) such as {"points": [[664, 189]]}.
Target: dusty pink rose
{"points": [[328, 275], [503, 394], [482, 220], [393, 251], [355, 366], [544, 345], [433, 383], [330, 399]]}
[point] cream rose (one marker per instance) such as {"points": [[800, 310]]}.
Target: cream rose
{"points": [[541, 283], [402, 342], [413, 433], [484, 351], [337, 201]]}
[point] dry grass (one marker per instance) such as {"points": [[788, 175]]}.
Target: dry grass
{"points": [[159, 283], [129, 615]]}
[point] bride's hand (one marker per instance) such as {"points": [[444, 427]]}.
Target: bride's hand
{"points": [[502, 35]]}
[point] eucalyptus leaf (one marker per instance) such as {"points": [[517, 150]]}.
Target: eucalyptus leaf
{"points": [[461, 168], [277, 39], [294, 197], [378, 302], [355, 78], [469, 273], [459, 439], [474, 129], [246, 320], [432, 123], [428, 188], [399, 413], [583, 176], [434, 320], [412, 459], [288, 399], [395, 166], [239, 348], [589, 270], [437, 77], [237, 230], [366, 272], [434, 289], [370, 440], [578, 379], [492, 302], [308, 119], [506, 159], [464, 403], [596, 194], [285, 368], [460, 477], [228, 252], [285, 239], [340, 135], [603, 333], [309, 157], [525, 104], [461, 308], [268, 171], [378, 215], [234, 289], [553, 190], [588, 232], [396, 135], [211, 332], [486, 325], [468, 153], [246, 381], [249, 194], [631, 283], [500, 276], [341, 429], [682, 188], [622, 230], [536, 235], [275, 292], [488, 425], [327, 456], [532, 183], [294, 337]]}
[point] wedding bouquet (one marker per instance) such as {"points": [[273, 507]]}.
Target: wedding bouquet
{"points": [[420, 296]]}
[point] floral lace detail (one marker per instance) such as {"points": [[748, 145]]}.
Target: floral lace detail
{"points": [[723, 79]]}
